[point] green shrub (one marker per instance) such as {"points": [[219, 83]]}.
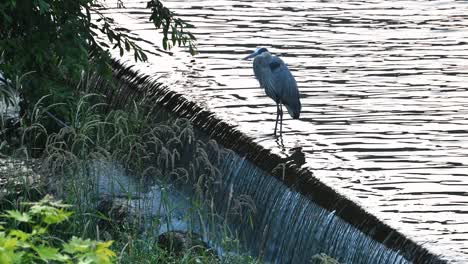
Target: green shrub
{"points": [[27, 237], [58, 41]]}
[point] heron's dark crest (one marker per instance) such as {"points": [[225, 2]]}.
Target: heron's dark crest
{"points": [[261, 50]]}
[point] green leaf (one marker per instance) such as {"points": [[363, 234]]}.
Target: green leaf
{"points": [[22, 236], [38, 230], [164, 42], [77, 245], [103, 253], [10, 256], [50, 253], [127, 45], [9, 243], [56, 217], [18, 216], [48, 200], [89, 251], [52, 212]]}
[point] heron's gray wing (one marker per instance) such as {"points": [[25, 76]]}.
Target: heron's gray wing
{"points": [[286, 85]]}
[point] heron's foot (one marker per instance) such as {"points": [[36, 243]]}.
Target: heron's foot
{"points": [[278, 135], [280, 143]]}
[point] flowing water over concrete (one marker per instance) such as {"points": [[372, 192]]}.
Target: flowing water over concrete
{"points": [[384, 93], [288, 228], [278, 213]]}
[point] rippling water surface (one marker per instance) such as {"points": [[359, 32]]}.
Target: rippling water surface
{"points": [[384, 88]]}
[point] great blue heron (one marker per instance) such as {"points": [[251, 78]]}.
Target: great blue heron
{"points": [[278, 82]]}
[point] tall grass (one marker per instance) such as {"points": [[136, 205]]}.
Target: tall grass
{"points": [[147, 145]]}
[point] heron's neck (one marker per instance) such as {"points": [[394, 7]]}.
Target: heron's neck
{"points": [[266, 55], [263, 59]]}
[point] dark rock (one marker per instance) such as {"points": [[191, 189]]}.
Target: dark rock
{"points": [[120, 213], [179, 242], [297, 156]]}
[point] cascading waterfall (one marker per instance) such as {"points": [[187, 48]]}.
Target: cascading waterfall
{"points": [[283, 227], [288, 227]]}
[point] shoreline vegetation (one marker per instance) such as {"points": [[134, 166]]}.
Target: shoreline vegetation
{"points": [[152, 146]]}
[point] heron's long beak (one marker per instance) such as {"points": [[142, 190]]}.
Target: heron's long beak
{"points": [[251, 55]]}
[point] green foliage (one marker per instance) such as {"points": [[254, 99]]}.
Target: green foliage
{"points": [[146, 144], [172, 27], [57, 40], [136, 139], [146, 250], [27, 237]]}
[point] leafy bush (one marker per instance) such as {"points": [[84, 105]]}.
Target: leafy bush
{"points": [[57, 42], [27, 237]]}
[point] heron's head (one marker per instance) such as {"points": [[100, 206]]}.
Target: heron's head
{"points": [[257, 52]]}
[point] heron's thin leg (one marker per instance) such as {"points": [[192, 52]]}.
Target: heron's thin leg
{"points": [[281, 119], [277, 116]]}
